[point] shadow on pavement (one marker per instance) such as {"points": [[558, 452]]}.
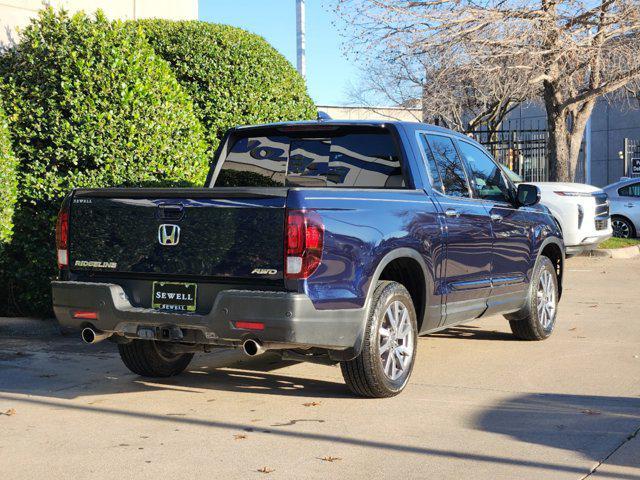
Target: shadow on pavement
{"points": [[592, 425], [65, 368], [56, 370], [473, 333], [334, 439]]}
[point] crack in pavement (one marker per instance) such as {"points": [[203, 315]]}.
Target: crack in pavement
{"points": [[604, 460]]}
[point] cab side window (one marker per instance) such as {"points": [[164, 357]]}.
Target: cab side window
{"points": [[486, 176], [441, 153], [632, 190], [436, 181]]}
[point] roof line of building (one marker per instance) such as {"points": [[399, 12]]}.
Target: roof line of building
{"points": [[362, 107]]}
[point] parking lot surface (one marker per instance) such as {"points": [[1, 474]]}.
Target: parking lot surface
{"points": [[479, 405]]}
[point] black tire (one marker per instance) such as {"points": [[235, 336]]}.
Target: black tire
{"points": [[148, 358], [527, 323], [365, 375], [622, 227]]}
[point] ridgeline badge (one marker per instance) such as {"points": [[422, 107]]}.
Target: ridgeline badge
{"points": [[95, 264]]}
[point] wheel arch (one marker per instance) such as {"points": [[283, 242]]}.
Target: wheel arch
{"points": [[553, 249], [383, 270]]}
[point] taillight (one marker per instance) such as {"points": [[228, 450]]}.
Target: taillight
{"points": [[62, 237], [303, 243]]}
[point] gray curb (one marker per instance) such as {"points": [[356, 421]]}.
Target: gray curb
{"points": [[625, 252]]}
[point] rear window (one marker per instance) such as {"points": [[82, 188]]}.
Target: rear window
{"points": [[361, 160]]}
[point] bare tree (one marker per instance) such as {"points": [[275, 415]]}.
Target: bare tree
{"points": [[573, 52], [448, 86]]}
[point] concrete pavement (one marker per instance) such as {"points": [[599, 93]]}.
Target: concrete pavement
{"points": [[480, 405]]}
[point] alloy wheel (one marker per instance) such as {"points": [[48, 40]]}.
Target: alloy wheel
{"points": [[620, 229], [396, 340], [546, 297]]}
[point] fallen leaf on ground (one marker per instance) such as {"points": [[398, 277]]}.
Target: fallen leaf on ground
{"points": [[588, 411], [311, 404], [297, 420], [9, 413], [239, 437], [329, 458], [572, 329], [266, 470], [593, 306]]}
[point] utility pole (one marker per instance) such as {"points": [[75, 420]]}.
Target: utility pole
{"points": [[300, 39]]}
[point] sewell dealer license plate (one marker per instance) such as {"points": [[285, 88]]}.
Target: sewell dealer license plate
{"points": [[174, 296]]}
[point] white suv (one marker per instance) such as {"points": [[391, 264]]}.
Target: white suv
{"points": [[581, 210]]}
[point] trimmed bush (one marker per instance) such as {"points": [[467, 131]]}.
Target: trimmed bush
{"points": [[8, 182], [89, 105], [234, 77]]}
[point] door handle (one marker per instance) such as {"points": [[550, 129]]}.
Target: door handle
{"points": [[496, 218], [630, 205], [450, 212]]}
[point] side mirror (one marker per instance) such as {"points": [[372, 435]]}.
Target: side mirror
{"points": [[528, 195]]}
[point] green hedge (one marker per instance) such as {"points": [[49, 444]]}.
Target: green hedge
{"points": [[8, 182], [89, 104], [234, 77]]}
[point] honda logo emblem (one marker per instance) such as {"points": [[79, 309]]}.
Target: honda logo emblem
{"points": [[168, 235]]}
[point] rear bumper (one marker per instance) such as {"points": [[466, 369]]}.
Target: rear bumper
{"points": [[289, 318]]}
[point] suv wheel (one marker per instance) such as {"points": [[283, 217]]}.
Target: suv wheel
{"points": [[622, 228], [385, 363], [149, 358], [537, 319]]}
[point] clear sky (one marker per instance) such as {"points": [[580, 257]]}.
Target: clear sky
{"points": [[329, 74]]}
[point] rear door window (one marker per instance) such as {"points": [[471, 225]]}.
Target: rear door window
{"points": [[632, 190], [356, 160], [442, 153], [434, 171]]}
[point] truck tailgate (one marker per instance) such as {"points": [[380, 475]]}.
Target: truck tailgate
{"points": [[220, 233]]}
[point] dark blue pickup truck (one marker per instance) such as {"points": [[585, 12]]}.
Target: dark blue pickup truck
{"points": [[323, 241]]}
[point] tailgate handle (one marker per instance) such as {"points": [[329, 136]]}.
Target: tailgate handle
{"points": [[173, 212]]}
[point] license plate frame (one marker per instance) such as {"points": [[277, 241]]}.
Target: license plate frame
{"points": [[174, 296]]}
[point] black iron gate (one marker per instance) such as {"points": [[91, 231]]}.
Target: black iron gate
{"points": [[631, 157], [523, 151]]}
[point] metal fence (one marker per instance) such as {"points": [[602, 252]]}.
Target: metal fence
{"points": [[524, 151], [631, 157]]}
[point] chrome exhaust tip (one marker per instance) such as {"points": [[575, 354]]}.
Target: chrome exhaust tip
{"points": [[89, 335], [252, 348]]}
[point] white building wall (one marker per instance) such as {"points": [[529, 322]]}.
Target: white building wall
{"points": [[16, 14], [371, 113]]}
